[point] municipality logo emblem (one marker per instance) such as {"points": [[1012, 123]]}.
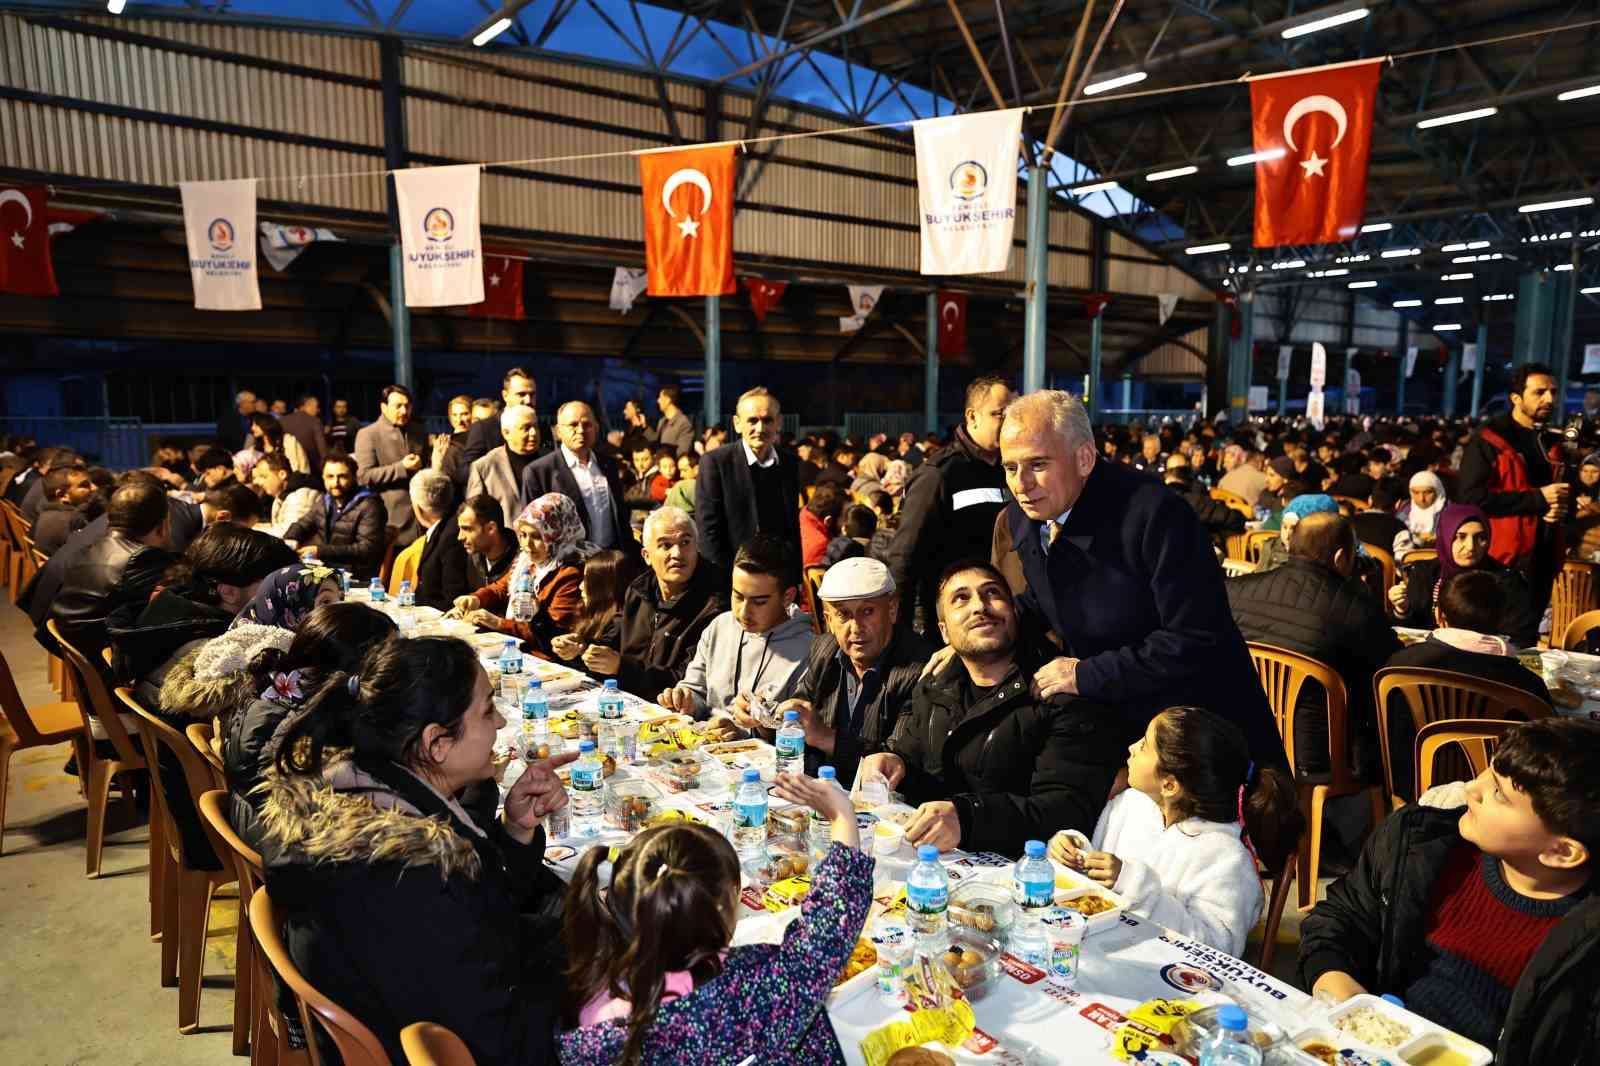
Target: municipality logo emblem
{"points": [[439, 224], [969, 180], [1191, 979], [220, 233]]}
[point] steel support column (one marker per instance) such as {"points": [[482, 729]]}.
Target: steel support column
{"points": [[394, 157], [1452, 371], [1239, 357], [1036, 270], [1483, 357], [1127, 394], [930, 372], [1283, 397], [713, 383], [1092, 391], [1567, 305], [1400, 374]]}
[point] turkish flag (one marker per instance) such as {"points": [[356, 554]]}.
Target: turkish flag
{"points": [[763, 294], [1312, 133], [502, 286], [1094, 303], [688, 220], [952, 322], [25, 266]]}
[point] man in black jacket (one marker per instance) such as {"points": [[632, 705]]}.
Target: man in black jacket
{"points": [[491, 548], [1311, 604], [442, 566], [346, 527], [1216, 517], [66, 491], [857, 682], [122, 568], [575, 470], [1483, 918], [748, 487], [516, 387], [950, 504], [665, 610], [991, 766]]}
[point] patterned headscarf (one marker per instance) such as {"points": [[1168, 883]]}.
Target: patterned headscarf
{"points": [[286, 596], [555, 518], [894, 479]]}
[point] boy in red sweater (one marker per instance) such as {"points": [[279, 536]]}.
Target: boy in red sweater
{"points": [[1483, 918]]}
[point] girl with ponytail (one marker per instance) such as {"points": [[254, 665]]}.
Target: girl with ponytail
{"points": [[651, 977], [1182, 841]]}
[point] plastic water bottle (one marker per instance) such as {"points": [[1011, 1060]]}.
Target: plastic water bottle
{"points": [[535, 710], [375, 591], [611, 700], [1033, 883], [521, 607], [510, 659], [588, 795], [408, 599], [1229, 1043], [609, 738], [821, 827], [408, 609], [750, 815], [791, 745], [927, 898], [344, 583]]}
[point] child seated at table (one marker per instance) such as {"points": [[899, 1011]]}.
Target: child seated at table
{"points": [[651, 976], [1483, 918], [1181, 841]]}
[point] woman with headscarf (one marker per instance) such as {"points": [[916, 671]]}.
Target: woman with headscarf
{"points": [[894, 479], [287, 595], [1583, 528], [1276, 551], [1421, 515], [1463, 536], [549, 569], [870, 471]]}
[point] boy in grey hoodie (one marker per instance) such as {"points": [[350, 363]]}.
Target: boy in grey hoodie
{"points": [[757, 648]]}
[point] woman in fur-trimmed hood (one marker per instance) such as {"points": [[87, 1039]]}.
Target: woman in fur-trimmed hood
{"points": [[405, 898]]}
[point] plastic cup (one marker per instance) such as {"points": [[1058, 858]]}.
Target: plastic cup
{"points": [[891, 936], [1064, 928]]}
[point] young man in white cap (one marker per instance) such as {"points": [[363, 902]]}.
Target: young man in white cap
{"points": [[860, 675]]}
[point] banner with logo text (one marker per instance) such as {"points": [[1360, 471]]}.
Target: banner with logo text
{"points": [[219, 220], [967, 190], [439, 234]]}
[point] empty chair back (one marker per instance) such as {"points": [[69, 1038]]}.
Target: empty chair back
{"points": [[1570, 596], [428, 1044]]}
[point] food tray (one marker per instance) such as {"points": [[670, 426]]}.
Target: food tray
{"points": [[1422, 1036], [1072, 886]]}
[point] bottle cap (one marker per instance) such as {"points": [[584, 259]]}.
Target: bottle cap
{"points": [[585, 746], [1392, 998], [927, 853], [752, 774], [1232, 1018], [611, 684], [827, 773], [791, 716], [534, 684], [1034, 849]]}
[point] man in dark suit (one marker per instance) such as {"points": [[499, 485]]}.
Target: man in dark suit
{"points": [[1120, 572], [304, 424], [233, 428], [442, 566], [748, 487], [388, 452], [576, 471], [517, 387]]}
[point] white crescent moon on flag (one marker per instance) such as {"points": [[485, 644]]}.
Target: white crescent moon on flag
{"points": [[1309, 105], [14, 194], [686, 176], [950, 306]]}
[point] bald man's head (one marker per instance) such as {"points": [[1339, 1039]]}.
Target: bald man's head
{"points": [[577, 428], [1328, 539]]}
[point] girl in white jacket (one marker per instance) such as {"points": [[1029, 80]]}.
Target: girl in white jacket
{"points": [[1181, 841]]}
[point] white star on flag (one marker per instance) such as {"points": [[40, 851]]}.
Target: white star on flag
{"points": [[1314, 165], [16, 239], [689, 227], [494, 279]]}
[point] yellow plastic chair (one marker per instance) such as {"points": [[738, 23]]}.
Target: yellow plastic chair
{"points": [[428, 1044]]}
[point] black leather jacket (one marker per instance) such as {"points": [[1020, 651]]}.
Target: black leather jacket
{"points": [[822, 685], [111, 573]]}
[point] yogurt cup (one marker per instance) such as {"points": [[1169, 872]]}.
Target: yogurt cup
{"points": [[1064, 928], [886, 839]]}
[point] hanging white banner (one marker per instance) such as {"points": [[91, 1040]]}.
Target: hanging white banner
{"points": [[438, 208], [1469, 358], [1314, 408], [1285, 357], [1257, 400], [967, 190], [1319, 367], [1411, 360], [219, 221], [1352, 379], [1591, 359], [1166, 303], [863, 298], [282, 245], [626, 285]]}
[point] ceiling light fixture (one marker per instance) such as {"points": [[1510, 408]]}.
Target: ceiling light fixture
{"points": [[1098, 87], [1377, 227], [1175, 172], [1456, 277], [1202, 249], [1443, 300], [1579, 94], [1256, 157], [1399, 253], [1408, 303], [1363, 284], [1556, 205], [1327, 22], [1459, 116], [491, 31], [1447, 327], [1085, 190], [1500, 296]]}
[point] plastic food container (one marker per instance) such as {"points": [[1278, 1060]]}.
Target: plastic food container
{"points": [[973, 960], [679, 771], [887, 839], [1192, 1030], [985, 906], [1379, 1029], [631, 804], [780, 861], [1100, 905], [792, 821]]}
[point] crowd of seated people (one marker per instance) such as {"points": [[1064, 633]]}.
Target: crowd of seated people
{"points": [[1020, 629]]}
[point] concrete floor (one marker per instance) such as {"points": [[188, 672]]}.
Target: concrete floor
{"points": [[79, 974]]}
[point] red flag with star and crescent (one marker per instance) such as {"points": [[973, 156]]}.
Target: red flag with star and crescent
{"points": [[688, 220], [952, 322], [1312, 134], [502, 285], [763, 295], [25, 264]]}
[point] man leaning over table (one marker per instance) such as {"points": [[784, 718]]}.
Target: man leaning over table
{"points": [[990, 764], [858, 679]]}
